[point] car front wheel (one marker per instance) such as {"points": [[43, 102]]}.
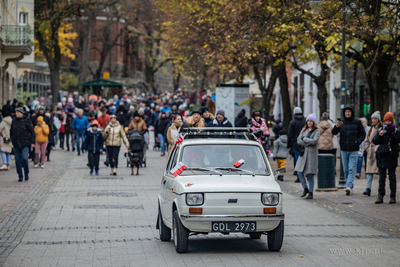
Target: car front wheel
{"points": [[164, 231], [275, 237], [181, 234]]}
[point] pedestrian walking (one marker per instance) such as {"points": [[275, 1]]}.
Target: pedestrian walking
{"points": [[69, 131], [159, 129], [138, 123], [42, 131], [94, 145], [22, 137], [51, 136], [361, 149], [307, 164], [103, 119], [278, 126], [295, 127], [280, 151], [112, 136], [79, 125], [352, 134], [173, 131], [5, 141], [325, 142], [371, 166], [61, 130], [387, 153]]}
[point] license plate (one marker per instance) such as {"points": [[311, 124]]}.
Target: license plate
{"points": [[234, 227]]}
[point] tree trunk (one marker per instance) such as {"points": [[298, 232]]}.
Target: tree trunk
{"points": [[270, 90], [283, 83], [322, 96], [55, 84], [86, 46]]}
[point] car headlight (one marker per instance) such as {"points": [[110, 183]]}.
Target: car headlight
{"points": [[194, 199], [270, 198]]}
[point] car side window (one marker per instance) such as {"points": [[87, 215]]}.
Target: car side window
{"points": [[171, 156], [174, 160]]}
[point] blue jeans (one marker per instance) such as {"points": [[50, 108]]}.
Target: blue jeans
{"points": [[6, 157], [79, 135], [359, 164], [349, 161], [296, 157], [21, 160], [310, 178], [369, 180], [162, 142]]}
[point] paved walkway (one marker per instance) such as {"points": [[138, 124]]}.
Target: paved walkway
{"points": [[69, 218]]}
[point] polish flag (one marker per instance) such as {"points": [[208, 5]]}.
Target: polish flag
{"points": [[179, 140], [259, 140], [178, 169], [239, 163]]}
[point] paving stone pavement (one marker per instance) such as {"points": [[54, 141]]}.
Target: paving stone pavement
{"points": [[72, 219]]}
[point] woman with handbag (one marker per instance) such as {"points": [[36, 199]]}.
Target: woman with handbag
{"points": [[5, 141], [388, 138], [307, 164], [371, 167]]}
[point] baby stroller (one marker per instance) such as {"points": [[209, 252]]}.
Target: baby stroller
{"points": [[156, 145], [135, 153]]}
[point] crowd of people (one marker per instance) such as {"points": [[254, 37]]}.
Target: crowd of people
{"points": [[96, 125]]}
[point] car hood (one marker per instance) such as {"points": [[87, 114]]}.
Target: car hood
{"points": [[225, 183]]}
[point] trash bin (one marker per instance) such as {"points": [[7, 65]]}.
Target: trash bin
{"points": [[326, 171]]}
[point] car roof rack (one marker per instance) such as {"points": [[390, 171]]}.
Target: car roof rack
{"points": [[221, 132]]}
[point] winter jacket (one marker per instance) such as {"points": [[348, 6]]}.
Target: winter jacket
{"points": [[140, 126], [371, 166], [387, 160], [103, 120], [154, 117], [93, 140], [278, 126], [241, 120], [160, 125], [68, 124], [216, 123], [5, 127], [123, 113], [80, 124], [280, 147], [308, 163], [52, 133], [209, 119], [70, 107], [113, 134], [22, 133], [326, 139], [352, 132], [42, 133], [295, 127], [257, 125]]}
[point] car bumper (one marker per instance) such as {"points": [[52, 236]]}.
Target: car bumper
{"points": [[224, 218]]}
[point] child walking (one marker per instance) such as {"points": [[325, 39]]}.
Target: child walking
{"points": [[42, 132], [280, 151], [94, 146]]}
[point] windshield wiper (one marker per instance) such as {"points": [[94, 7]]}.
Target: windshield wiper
{"points": [[202, 169], [229, 169]]}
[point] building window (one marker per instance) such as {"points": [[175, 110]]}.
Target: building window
{"points": [[23, 18]]}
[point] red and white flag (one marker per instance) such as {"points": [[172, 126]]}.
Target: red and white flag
{"points": [[259, 140], [179, 140], [239, 163], [178, 169]]}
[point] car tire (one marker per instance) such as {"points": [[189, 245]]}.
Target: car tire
{"points": [[181, 234], [255, 235], [275, 237], [164, 231]]}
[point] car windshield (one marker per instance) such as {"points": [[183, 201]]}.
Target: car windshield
{"points": [[223, 157]]}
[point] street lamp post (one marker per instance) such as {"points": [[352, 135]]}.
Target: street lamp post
{"points": [[342, 179]]}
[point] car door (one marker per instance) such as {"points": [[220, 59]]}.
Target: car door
{"points": [[166, 187]]}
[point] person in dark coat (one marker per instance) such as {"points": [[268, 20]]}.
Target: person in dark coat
{"points": [[22, 137], [295, 127], [69, 132], [40, 113], [122, 112], [52, 133], [7, 107], [159, 129], [220, 120], [388, 138], [94, 145], [241, 119], [206, 115], [352, 134], [278, 126]]}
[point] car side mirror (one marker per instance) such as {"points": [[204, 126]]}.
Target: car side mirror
{"points": [[279, 172]]}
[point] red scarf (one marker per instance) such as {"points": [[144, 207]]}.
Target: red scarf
{"points": [[256, 124]]}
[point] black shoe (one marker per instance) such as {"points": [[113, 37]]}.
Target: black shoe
{"points": [[367, 192], [310, 196], [305, 192], [79, 154], [379, 200], [67, 149], [106, 163], [294, 173], [20, 179], [26, 177], [73, 149], [392, 200], [48, 160], [297, 180]]}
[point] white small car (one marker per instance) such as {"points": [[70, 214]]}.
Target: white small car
{"points": [[227, 186]]}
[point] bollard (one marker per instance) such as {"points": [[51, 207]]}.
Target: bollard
{"points": [[326, 172]]}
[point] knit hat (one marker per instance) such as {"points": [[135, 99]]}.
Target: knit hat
{"points": [[40, 118], [95, 123], [20, 110], [377, 115], [48, 114], [388, 117], [136, 114], [312, 117], [141, 110], [220, 111], [131, 107], [282, 132], [196, 111], [204, 109], [297, 110], [324, 116]]}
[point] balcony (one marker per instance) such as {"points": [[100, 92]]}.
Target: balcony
{"points": [[16, 39]]}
